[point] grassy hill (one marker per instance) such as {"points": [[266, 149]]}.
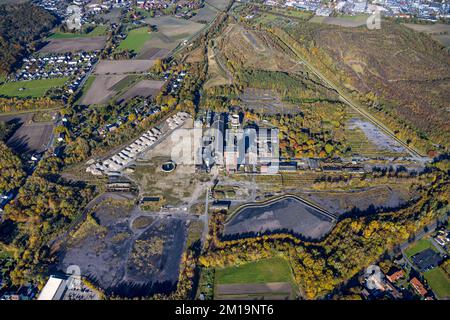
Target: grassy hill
{"points": [[402, 75]]}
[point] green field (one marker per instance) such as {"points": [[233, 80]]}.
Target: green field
{"points": [[125, 82], [269, 270], [32, 88], [98, 31], [439, 282], [419, 246], [135, 39]]}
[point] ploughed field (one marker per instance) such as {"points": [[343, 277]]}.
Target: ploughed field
{"points": [[30, 136], [285, 214]]}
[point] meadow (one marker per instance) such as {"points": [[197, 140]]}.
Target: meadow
{"points": [[32, 88], [439, 282], [135, 40]]}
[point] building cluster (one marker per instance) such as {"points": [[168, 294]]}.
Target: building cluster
{"points": [[74, 65], [174, 81], [27, 292], [57, 7], [126, 156], [396, 284], [164, 4], [229, 143], [443, 238], [422, 9], [405, 278]]}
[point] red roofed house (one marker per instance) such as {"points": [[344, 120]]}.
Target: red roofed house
{"points": [[418, 286], [395, 276]]}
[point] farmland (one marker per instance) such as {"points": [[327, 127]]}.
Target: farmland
{"points": [[135, 40], [270, 270], [171, 32], [144, 88], [342, 20], [31, 88], [438, 31], [31, 135], [122, 66], [100, 91], [269, 278], [111, 78], [62, 45]]}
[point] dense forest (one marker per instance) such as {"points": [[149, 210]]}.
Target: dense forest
{"points": [[21, 26], [11, 173]]}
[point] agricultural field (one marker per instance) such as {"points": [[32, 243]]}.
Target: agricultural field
{"points": [[135, 40], [32, 134], [439, 282], [218, 4], [87, 85], [31, 88], [144, 88], [205, 14], [171, 32], [106, 67], [62, 45], [269, 279], [111, 78], [100, 91], [438, 31]]}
